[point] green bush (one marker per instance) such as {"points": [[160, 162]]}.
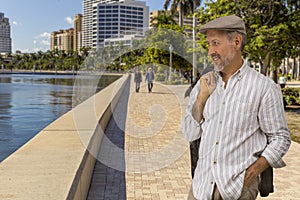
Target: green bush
{"points": [[291, 96], [160, 77]]}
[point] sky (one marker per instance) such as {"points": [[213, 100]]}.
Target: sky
{"points": [[32, 21]]}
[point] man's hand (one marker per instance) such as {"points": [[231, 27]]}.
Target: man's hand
{"points": [[207, 86], [254, 170]]}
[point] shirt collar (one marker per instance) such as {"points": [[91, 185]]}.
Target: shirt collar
{"points": [[240, 72]]}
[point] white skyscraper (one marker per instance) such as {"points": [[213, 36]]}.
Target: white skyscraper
{"points": [[5, 39], [112, 18], [87, 20]]}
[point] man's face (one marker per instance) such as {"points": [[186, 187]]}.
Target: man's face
{"points": [[221, 50]]}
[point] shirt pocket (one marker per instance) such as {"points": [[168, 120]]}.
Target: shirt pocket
{"points": [[244, 116]]}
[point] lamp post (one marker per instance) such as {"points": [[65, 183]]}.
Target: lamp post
{"points": [[171, 50], [194, 42]]}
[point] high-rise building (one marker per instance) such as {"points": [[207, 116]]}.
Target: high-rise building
{"points": [[5, 39], [62, 39], [87, 22], [99, 22], [117, 19], [77, 32]]}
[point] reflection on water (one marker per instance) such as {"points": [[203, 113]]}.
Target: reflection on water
{"points": [[28, 103]]}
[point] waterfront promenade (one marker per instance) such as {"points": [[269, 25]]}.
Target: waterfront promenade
{"points": [[156, 157]]}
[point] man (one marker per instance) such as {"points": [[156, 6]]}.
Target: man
{"points": [[150, 79], [137, 79], [238, 114]]}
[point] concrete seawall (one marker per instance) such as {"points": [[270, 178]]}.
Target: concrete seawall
{"points": [[58, 162]]}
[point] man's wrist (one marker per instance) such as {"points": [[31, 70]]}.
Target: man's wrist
{"points": [[202, 98]]}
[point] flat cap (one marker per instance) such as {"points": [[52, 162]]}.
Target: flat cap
{"points": [[227, 23]]}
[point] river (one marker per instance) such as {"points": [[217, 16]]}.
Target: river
{"points": [[29, 102]]}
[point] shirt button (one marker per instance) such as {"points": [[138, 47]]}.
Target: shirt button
{"points": [[217, 143], [220, 122], [215, 162], [212, 182]]}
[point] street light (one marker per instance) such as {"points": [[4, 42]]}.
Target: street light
{"points": [[171, 50]]}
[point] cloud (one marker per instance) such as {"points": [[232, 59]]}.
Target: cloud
{"points": [[43, 35], [69, 20], [25, 50], [45, 42], [15, 23], [34, 41]]}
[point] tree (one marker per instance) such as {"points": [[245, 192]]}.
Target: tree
{"points": [[156, 47], [272, 28], [182, 7], [164, 18]]}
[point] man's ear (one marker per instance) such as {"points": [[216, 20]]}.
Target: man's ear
{"points": [[238, 41]]}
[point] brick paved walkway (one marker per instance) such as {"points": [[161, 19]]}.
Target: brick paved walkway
{"points": [[157, 157]]}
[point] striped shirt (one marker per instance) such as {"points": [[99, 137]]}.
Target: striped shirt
{"points": [[239, 121]]}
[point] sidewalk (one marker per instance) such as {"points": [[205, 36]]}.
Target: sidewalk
{"points": [[157, 156]]}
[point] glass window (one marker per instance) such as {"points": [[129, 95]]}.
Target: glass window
{"points": [[115, 6], [115, 32], [115, 19], [140, 9]]}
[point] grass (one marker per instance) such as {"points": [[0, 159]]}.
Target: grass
{"points": [[293, 121]]}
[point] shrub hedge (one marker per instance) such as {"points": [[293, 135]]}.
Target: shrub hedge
{"points": [[291, 96]]}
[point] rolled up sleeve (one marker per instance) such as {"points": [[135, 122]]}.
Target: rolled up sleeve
{"points": [[191, 129], [273, 123]]}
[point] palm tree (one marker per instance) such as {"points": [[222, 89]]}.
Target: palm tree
{"points": [[184, 7], [164, 17]]}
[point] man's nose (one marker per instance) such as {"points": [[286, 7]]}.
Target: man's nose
{"points": [[211, 50]]}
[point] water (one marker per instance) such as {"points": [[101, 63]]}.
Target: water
{"points": [[28, 103]]}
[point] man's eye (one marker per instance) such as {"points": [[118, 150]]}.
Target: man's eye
{"points": [[215, 43]]}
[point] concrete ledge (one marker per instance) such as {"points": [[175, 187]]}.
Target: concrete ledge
{"points": [[56, 164]]}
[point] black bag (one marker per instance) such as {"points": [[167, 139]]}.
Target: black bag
{"points": [[194, 151], [266, 186]]}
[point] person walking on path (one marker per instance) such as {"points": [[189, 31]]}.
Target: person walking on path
{"points": [[150, 79], [137, 80], [238, 114]]}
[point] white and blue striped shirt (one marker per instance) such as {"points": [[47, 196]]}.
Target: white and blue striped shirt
{"points": [[238, 123]]}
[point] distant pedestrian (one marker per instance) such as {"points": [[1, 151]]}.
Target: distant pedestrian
{"points": [[150, 79], [137, 80], [282, 81]]}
